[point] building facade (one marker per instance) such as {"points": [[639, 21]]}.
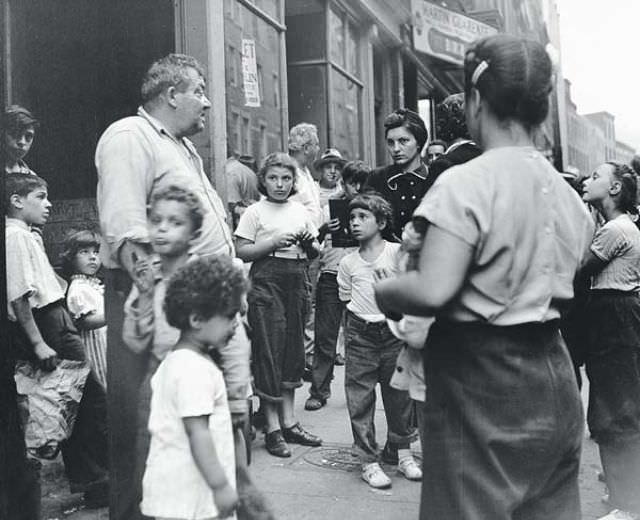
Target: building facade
{"points": [[340, 64], [624, 152]]}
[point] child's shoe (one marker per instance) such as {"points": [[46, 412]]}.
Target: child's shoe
{"points": [[373, 475], [409, 468]]}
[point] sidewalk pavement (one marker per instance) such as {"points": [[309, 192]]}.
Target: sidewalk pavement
{"points": [[322, 483]]}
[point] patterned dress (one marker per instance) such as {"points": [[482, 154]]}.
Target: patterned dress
{"points": [[85, 296]]}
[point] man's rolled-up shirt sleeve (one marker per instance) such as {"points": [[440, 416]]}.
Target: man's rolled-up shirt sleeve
{"points": [[125, 180]]}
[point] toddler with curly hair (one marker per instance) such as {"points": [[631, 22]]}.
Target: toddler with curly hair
{"points": [[190, 471]]}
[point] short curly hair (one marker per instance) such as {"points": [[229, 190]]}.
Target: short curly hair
{"points": [[184, 196], [376, 204], [74, 241], [206, 287], [275, 160], [170, 71], [302, 134]]}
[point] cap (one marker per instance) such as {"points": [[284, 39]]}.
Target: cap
{"points": [[330, 155]]}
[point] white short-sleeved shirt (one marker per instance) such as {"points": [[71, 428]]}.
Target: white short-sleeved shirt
{"points": [[528, 228], [28, 269], [265, 219], [308, 194], [618, 244], [356, 280], [186, 384]]}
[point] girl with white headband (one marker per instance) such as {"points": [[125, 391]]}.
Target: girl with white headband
{"points": [[506, 235]]}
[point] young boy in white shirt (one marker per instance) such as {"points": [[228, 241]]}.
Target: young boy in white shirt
{"points": [[371, 349], [42, 331]]}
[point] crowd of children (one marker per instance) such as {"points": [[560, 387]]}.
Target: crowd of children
{"points": [[184, 310], [171, 318]]}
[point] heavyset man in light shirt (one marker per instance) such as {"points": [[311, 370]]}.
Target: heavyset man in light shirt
{"points": [[135, 156]]}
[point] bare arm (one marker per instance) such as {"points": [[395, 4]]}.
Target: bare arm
{"points": [[45, 354], [206, 459], [444, 262], [91, 321], [249, 251]]}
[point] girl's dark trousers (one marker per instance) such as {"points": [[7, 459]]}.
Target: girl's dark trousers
{"points": [[85, 452], [613, 368], [503, 424]]}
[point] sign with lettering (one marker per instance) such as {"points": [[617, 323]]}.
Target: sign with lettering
{"points": [[250, 74], [443, 33]]}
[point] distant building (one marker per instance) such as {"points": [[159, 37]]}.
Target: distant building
{"points": [[586, 142], [606, 122], [624, 152]]}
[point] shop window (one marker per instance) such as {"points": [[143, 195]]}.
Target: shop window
{"points": [[346, 96], [336, 42], [265, 35]]}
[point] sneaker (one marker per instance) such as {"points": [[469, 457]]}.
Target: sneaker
{"points": [[409, 468], [618, 514], [373, 475], [274, 442], [314, 403], [298, 435]]}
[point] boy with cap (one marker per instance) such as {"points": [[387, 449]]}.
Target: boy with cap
{"points": [[329, 166]]}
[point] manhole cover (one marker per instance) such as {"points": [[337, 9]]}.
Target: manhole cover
{"points": [[333, 458]]}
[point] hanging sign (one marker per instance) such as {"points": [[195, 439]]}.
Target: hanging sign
{"points": [[251, 83], [443, 33]]}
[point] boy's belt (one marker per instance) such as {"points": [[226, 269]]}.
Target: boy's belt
{"points": [[369, 324]]}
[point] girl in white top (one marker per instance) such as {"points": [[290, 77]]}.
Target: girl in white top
{"points": [[85, 297], [190, 471], [279, 237]]}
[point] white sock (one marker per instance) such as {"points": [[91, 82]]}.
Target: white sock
{"points": [[404, 453]]}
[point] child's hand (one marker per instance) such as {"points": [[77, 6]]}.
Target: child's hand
{"points": [[226, 500], [333, 225], [411, 239], [47, 357], [143, 275], [305, 236], [380, 274], [284, 240]]}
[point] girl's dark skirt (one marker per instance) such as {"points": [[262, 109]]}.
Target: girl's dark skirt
{"points": [[503, 423], [278, 305]]}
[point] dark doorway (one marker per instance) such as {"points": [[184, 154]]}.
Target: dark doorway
{"points": [[77, 66]]}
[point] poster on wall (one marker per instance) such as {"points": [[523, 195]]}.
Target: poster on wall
{"points": [[251, 83], [443, 33]]}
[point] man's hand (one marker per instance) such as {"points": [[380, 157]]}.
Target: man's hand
{"points": [[226, 500], [47, 357]]}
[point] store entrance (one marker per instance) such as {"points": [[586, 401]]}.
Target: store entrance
{"points": [[78, 66]]}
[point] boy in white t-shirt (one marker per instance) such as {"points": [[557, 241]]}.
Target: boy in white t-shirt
{"points": [[371, 349], [190, 471]]}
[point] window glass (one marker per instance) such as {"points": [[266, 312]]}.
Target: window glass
{"points": [[352, 49], [266, 39], [337, 38], [346, 115]]}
